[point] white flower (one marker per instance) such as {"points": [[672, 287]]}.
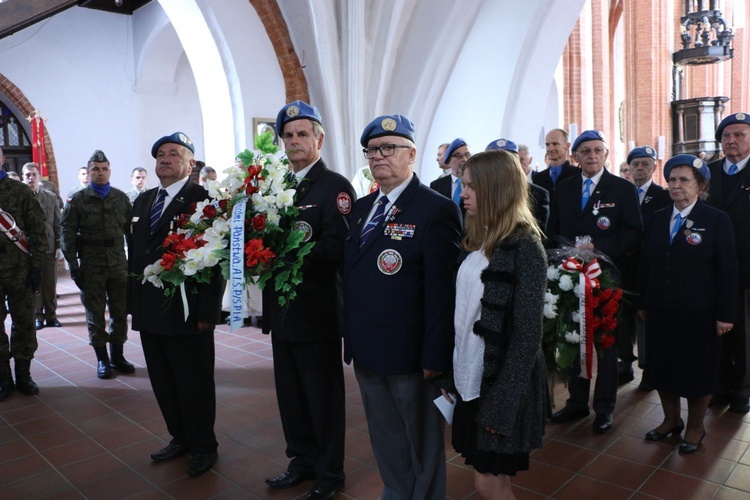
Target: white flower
{"points": [[196, 217], [553, 273], [272, 217], [575, 317], [285, 199], [572, 337], [217, 232], [577, 289], [566, 283], [151, 274], [550, 311], [550, 298]]}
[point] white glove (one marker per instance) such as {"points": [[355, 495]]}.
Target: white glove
{"points": [[58, 254]]}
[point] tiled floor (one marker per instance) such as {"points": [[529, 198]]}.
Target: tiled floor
{"points": [[88, 438]]}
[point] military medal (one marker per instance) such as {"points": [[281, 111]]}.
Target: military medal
{"points": [[595, 209], [399, 231], [694, 238], [389, 262]]}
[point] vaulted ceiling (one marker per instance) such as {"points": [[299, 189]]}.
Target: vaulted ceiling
{"points": [[16, 15]]}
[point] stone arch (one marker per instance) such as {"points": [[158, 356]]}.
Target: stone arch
{"points": [[17, 99]]}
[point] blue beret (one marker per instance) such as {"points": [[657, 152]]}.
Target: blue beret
{"points": [[457, 143], [388, 125], [296, 111], [176, 138], [504, 144], [642, 152], [588, 135], [731, 120], [687, 161]]}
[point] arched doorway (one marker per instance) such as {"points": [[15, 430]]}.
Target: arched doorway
{"points": [[15, 143]]}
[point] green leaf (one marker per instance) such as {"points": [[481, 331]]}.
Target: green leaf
{"points": [[264, 143]]}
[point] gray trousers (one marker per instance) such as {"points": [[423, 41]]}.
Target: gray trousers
{"points": [[406, 432]]}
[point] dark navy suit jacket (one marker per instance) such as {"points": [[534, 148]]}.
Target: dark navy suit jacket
{"points": [[544, 180], [401, 322]]}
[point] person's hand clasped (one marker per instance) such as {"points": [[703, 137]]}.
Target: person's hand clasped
{"points": [[722, 328], [429, 374]]}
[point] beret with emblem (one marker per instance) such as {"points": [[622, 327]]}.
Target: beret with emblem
{"points": [[642, 152], [588, 135], [388, 125], [457, 143], [502, 144], [731, 120], [176, 138], [687, 161], [296, 110], [98, 156]]}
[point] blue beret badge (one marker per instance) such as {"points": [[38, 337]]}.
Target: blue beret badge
{"points": [[388, 124], [292, 111]]}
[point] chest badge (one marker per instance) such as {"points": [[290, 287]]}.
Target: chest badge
{"points": [[389, 262]]}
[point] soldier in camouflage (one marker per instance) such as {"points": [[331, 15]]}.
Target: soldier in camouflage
{"points": [[94, 223], [20, 277]]}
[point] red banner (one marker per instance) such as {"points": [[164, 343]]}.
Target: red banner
{"points": [[38, 153]]}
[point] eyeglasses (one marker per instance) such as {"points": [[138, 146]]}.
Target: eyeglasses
{"points": [[587, 151], [458, 156], [385, 150]]}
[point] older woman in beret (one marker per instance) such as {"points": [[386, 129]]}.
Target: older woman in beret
{"points": [[687, 280], [499, 372]]}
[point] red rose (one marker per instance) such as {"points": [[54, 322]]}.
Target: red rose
{"points": [[250, 189], [259, 222], [223, 204], [168, 260], [607, 341], [192, 207], [209, 211]]}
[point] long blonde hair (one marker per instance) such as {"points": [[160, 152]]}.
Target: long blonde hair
{"points": [[503, 204]]}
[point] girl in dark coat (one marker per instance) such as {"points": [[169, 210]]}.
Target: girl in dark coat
{"points": [[499, 372]]}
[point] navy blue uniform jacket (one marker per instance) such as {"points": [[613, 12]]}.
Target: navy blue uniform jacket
{"points": [[324, 199], [153, 312], [543, 179], [694, 273], [402, 323]]}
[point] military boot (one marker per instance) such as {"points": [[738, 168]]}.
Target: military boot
{"points": [[24, 383], [103, 369], [118, 361], [6, 379]]}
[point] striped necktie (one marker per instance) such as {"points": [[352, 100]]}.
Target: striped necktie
{"points": [[374, 221], [158, 208]]}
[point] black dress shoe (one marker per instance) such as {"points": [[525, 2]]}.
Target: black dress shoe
{"points": [[172, 450], [625, 376], [568, 415], [288, 480], [602, 423], [720, 400], [39, 324], [655, 435], [200, 463], [739, 405], [321, 493], [688, 448], [645, 386], [54, 323]]}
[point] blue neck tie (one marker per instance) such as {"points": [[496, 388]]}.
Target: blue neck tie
{"points": [[732, 169], [457, 192], [640, 194], [586, 193], [554, 173], [677, 224], [375, 220], [158, 208]]}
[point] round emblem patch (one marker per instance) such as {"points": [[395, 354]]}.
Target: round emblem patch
{"points": [[649, 151], [603, 222], [694, 239], [601, 136], [501, 143], [292, 111], [344, 203], [389, 262], [740, 116], [185, 139], [388, 124], [697, 163], [305, 228]]}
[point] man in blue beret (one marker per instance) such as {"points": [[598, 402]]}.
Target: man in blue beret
{"points": [[178, 344], [454, 157], [556, 143], [539, 195], [306, 335], [651, 197], [399, 298], [730, 191], [603, 207]]}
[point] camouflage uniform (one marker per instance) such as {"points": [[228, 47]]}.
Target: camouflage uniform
{"points": [[18, 200], [93, 231]]}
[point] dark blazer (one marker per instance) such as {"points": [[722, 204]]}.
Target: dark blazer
{"points": [[687, 276], [736, 203], [544, 180], [655, 199], [444, 186], [324, 199], [151, 310], [540, 205], [616, 228], [400, 322]]}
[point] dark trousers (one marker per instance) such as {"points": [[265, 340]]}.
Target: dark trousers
{"points": [[406, 432], [181, 371], [734, 372], [605, 390], [310, 392], [46, 299]]}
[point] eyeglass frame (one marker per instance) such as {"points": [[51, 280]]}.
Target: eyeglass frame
{"points": [[375, 149]]}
